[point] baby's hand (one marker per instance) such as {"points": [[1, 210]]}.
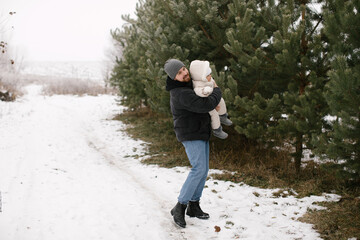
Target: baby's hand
{"points": [[207, 90], [215, 85], [217, 108]]}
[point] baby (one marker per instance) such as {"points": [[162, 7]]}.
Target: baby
{"points": [[203, 83]]}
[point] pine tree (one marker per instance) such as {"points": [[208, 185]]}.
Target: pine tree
{"points": [[127, 73], [342, 26], [269, 57], [251, 67], [186, 30], [279, 64]]}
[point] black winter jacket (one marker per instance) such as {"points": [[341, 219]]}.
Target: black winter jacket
{"points": [[191, 112]]}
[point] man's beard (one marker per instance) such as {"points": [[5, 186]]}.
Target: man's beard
{"points": [[187, 78]]}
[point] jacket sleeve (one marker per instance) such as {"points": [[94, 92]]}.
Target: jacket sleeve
{"points": [[190, 101]]}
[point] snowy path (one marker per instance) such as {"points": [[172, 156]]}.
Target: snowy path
{"points": [[68, 172]]}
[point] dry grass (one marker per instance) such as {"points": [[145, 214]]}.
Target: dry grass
{"points": [[340, 220], [71, 86], [11, 82], [15, 83]]}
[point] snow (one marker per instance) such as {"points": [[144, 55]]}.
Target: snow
{"points": [[68, 171]]}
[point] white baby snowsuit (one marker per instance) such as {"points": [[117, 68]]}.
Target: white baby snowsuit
{"points": [[199, 70]]}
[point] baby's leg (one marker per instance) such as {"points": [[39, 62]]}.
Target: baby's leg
{"points": [[223, 114], [215, 119], [222, 105], [216, 126]]}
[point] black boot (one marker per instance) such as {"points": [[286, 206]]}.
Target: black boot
{"points": [[178, 212], [194, 210]]}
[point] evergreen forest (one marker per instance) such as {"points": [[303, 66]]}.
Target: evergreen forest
{"points": [[289, 70]]}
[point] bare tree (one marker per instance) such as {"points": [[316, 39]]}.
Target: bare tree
{"points": [[6, 61]]}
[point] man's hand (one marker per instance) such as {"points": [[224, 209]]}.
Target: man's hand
{"points": [[217, 108]]}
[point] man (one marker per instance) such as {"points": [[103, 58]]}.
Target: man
{"points": [[192, 127]]}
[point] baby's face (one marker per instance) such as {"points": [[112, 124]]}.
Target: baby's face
{"points": [[208, 77]]}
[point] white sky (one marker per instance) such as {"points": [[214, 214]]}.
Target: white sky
{"points": [[63, 30]]}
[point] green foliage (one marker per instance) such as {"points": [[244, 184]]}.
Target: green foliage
{"points": [[128, 73], [165, 29], [270, 58], [342, 142], [279, 63], [258, 118]]}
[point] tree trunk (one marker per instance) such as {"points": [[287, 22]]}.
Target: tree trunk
{"points": [[298, 152], [303, 83]]}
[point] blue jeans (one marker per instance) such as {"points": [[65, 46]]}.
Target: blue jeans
{"points": [[198, 154]]}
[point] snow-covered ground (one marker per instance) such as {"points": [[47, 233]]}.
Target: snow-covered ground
{"points": [[67, 171]]}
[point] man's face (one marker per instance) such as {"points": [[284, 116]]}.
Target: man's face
{"points": [[182, 75]]}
